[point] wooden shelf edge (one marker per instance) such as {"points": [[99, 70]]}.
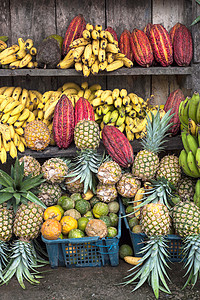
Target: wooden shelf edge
{"points": [[172, 143], [120, 72]]}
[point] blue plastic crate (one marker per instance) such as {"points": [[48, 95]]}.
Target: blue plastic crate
{"points": [[174, 242], [84, 252]]}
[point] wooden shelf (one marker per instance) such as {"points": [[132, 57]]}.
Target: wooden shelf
{"points": [[172, 143], [120, 72]]}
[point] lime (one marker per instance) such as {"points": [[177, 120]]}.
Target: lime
{"points": [[113, 207], [76, 233], [82, 206], [66, 202], [125, 250], [82, 222], [93, 201], [89, 215], [73, 213], [137, 229], [130, 211], [106, 220], [114, 219], [112, 231], [61, 199], [126, 201], [61, 209], [76, 196], [133, 221], [100, 209]]}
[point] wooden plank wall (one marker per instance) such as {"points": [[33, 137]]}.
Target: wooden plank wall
{"points": [[39, 18]]}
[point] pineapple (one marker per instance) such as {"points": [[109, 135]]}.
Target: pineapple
{"points": [[186, 219], [109, 172], [128, 185], [74, 186], [170, 169], [106, 192], [54, 170], [6, 224], [86, 134], [155, 222], [18, 190], [49, 193], [87, 161], [37, 135], [146, 162], [31, 165], [186, 188]]}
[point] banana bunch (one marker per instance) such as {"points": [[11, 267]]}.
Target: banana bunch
{"points": [[197, 193], [19, 55], [125, 111], [96, 51], [189, 114], [189, 158]]}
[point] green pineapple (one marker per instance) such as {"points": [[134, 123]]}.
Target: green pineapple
{"points": [[170, 169], [49, 193], [74, 186], [54, 170], [128, 185], [18, 192], [31, 165], [155, 222], [87, 161], [186, 188], [186, 220], [146, 162]]}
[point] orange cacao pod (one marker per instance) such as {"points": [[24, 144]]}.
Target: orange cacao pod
{"points": [[161, 45], [147, 29], [173, 30], [125, 44], [141, 47]]}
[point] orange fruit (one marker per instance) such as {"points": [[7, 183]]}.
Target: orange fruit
{"points": [[52, 212], [68, 223], [51, 229]]}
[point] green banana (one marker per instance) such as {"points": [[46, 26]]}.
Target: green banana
{"points": [[197, 193], [4, 38], [120, 120], [106, 108], [198, 113], [185, 106], [184, 141], [99, 110], [191, 162], [193, 104], [198, 137], [183, 163], [114, 116], [198, 158], [192, 143], [106, 118]]}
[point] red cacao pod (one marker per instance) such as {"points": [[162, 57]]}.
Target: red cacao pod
{"points": [[125, 44], [173, 30], [183, 50], [141, 47], [73, 32], [147, 29], [117, 146], [83, 111], [63, 122], [111, 30], [161, 45], [173, 102]]}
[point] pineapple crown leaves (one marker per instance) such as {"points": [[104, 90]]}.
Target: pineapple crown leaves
{"points": [[85, 167], [17, 188], [160, 190], [4, 250], [198, 18], [191, 250], [156, 131], [23, 261], [151, 266]]}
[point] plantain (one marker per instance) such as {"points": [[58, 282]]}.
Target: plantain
{"points": [[16, 93], [9, 51], [112, 48], [78, 52], [8, 59], [114, 65]]}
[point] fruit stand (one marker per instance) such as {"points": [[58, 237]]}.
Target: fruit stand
{"points": [[115, 120]]}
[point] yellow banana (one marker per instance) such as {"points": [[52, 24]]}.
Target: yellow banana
{"points": [[21, 147], [101, 55], [109, 100], [22, 139], [12, 131], [11, 105], [127, 62], [18, 124], [98, 93], [35, 112], [87, 93], [117, 64], [13, 150], [13, 119], [132, 113], [24, 62], [114, 116], [106, 118], [31, 65], [95, 47], [35, 64], [17, 110], [25, 95], [50, 110], [95, 67], [31, 117], [84, 85], [5, 102], [103, 65], [16, 93], [3, 45], [120, 121], [71, 85], [88, 52], [119, 55], [126, 101], [40, 115], [91, 60], [5, 118], [98, 28], [86, 34], [86, 71], [99, 111], [14, 65], [78, 52], [28, 44], [81, 93], [134, 98], [16, 140], [5, 131], [19, 130], [38, 94], [192, 127], [112, 48], [110, 57], [2, 89], [8, 91], [121, 127], [33, 51], [95, 34], [130, 136], [103, 34], [92, 96], [9, 51], [89, 27], [110, 37], [118, 102], [103, 43], [123, 93], [95, 87], [65, 64], [79, 42], [78, 66], [96, 102], [24, 115], [46, 96], [115, 94], [105, 95], [3, 155], [20, 54]]}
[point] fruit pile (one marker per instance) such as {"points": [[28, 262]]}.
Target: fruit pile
{"points": [[19, 56], [96, 50]]}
